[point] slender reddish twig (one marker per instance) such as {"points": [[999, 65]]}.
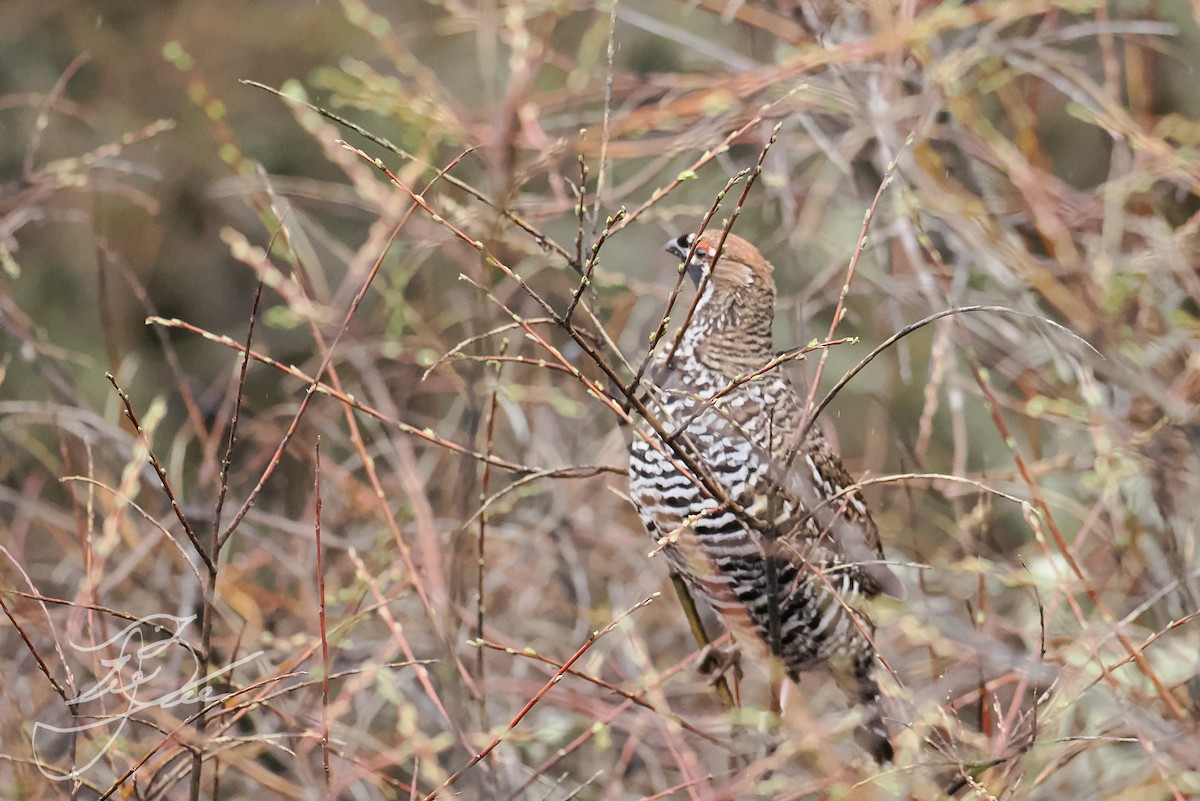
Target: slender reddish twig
{"points": [[421, 433], [737, 210], [325, 664], [590, 265], [1039, 501], [661, 329], [172, 736], [558, 674], [489, 429], [161, 473], [839, 310], [637, 698]]}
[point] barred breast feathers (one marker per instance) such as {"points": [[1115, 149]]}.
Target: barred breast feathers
{"points": [[767, 530], [756, 421]]}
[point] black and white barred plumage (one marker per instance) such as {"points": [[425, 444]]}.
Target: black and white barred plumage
{"points": [[768, 537]]}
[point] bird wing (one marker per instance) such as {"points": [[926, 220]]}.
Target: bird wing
{"points": [[802, 495]]}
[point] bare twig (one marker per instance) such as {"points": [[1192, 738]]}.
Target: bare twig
{"points": [[558, 674]]}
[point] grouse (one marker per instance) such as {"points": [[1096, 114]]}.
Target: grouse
{"points": [[763, 526]]}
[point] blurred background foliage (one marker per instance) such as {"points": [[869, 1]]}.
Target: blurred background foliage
{"points": [[1042, 157]]}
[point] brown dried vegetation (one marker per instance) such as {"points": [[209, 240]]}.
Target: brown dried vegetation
{"points": [[394, 500]]}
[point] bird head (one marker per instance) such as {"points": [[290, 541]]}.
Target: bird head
{"points": [[736, 309], [740, 269]]}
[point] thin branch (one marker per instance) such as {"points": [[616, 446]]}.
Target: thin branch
{"points": [[161, 473], [558, 674]]}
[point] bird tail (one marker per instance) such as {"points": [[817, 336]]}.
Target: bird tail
{"points": [[872, 735], [859, 683]]}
